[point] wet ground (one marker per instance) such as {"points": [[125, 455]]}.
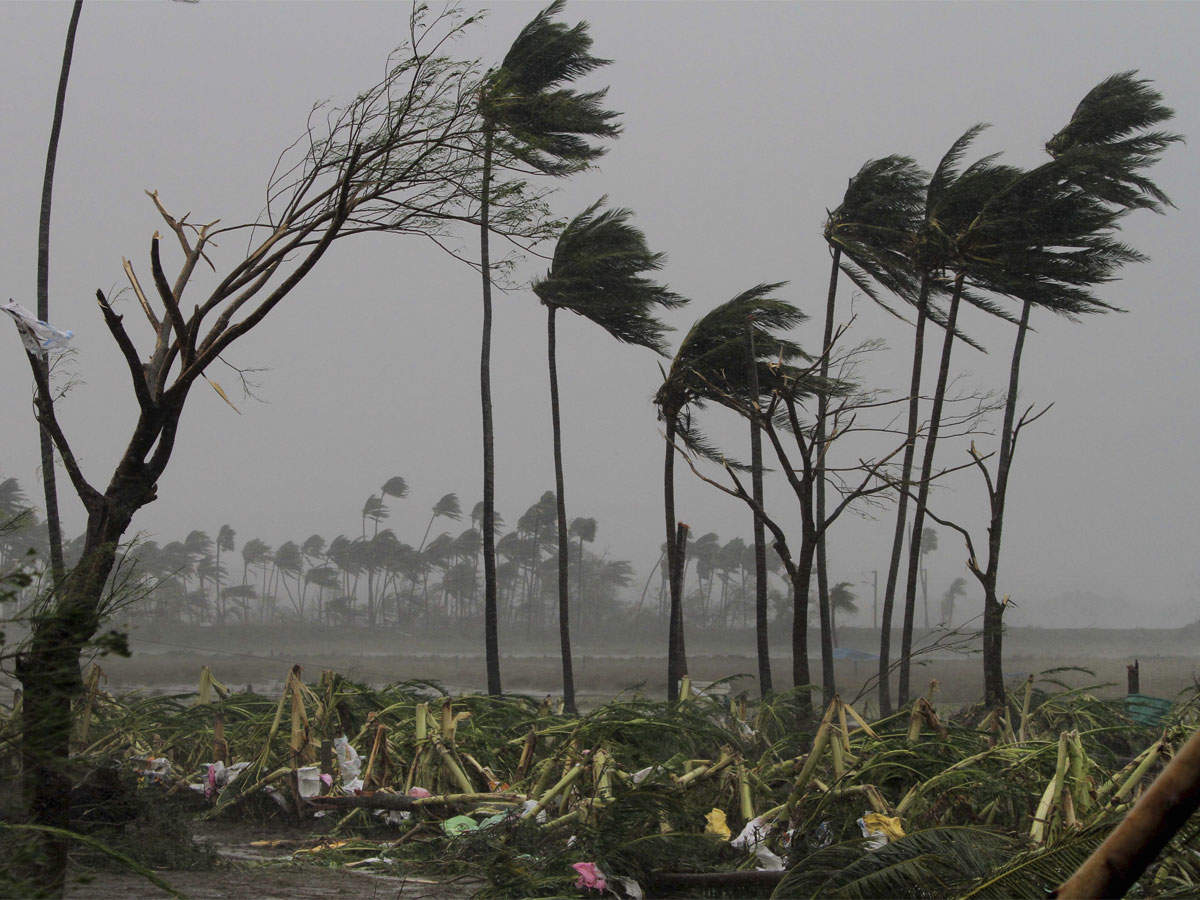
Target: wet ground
{"points": [[258, 864]]}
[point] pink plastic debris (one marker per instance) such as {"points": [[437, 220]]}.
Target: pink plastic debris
{"points": [[590, 877]]}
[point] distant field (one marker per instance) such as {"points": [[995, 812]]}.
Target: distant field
{"points": [[260, 657]]}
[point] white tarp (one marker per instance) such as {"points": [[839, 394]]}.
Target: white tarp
{"points": [[36, 335]]}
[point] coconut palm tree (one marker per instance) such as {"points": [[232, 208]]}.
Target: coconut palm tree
{"points": [[529, 120], [224, 541], [841, 599], [957, 588], [867, 234], [710, 365], [1097, 175], [925, 249], [598, 272], [585, 530]]}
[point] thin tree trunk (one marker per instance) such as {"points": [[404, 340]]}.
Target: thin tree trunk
{"points": [[918, 524], [678, 651], [676, 665], [491, 620], [825, 614], [49, 486], [564, 625], [993, 609], [889, 591], [761, 626]]}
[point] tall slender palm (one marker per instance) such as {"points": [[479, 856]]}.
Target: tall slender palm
{"points": [[599, 272], [53, 524], [224, 541], [958, 229], [923, 251], [1101, 154], [531, 121], [585, 530], [709, 365], [867, 234]]}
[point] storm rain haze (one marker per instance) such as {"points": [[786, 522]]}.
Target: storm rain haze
{"points": [[741, 124]]}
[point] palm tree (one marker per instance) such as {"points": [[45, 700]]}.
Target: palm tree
{"points": [[709, 365], [841, 599], [585, 530], [957, 588], [866, 234], [225, 537], [598, 272], [960, 230], [923, 251], [1099, 158], [531, 121], [929, 543], [290, 561]]}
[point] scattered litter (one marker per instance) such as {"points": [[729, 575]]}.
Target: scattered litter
{"points": [[716, 824], [36, 335], [879, 829], [456, 825], [590, 877]]}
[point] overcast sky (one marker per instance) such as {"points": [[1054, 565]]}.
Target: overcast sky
{"points": [[742, 123]]}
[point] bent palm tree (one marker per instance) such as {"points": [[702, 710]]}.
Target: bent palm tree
{"points": [[710, 365], [531, 121], [598, 272], [867, 233]]}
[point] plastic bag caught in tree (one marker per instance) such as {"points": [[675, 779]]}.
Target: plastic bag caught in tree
{"points": [[36, 335]]}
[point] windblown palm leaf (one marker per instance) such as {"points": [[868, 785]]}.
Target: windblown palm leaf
{"points": [[598, 272]]}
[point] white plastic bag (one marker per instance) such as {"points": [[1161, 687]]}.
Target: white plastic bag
{"points": [[349, 764], [36, 335]]}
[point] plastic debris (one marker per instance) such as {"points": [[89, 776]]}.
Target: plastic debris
{"points": [[36, 335], [458, 824], [716, 824], [879, 829], [590, 877], [628, 887], [349, 764], [308, 779], [540, 818], [755, 833]]}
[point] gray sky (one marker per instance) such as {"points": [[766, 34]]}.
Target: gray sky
{"points": [[742, 123]]}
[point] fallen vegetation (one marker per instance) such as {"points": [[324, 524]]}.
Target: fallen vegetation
{"points": [[712, 794]]}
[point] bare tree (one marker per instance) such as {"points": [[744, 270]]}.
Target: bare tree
{"points": [[401, 157]]}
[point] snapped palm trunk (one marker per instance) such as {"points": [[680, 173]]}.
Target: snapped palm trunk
{"points": [[564, 625], [491, 620], [918, 525], [889, 593]]}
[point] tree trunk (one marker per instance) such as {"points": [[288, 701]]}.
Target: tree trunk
{"points": [[889, 591], [761, 627], [676, 662], [677, 652], [918, 525], [801, 579], [49, 486], [993, 610], [49, 674], [564, 625], [825, 614], [491, 620]]}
